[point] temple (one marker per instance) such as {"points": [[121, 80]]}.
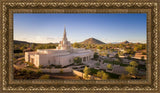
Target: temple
{"points": [[64, 44], [63, 54]]}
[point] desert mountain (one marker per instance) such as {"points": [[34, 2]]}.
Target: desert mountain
{"points": [[92, 41], [18, 42], [125, 42]]}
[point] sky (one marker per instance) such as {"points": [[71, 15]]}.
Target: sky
{"points": [[107, 27]]}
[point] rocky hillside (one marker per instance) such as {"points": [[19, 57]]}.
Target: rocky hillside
{"points": [[92, 41], [19, 42]]}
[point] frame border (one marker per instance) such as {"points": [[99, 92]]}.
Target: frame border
{"points": [[9, 8]]}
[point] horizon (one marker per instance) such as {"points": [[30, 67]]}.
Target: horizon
{"points": [[82, 41], [47, 28]]}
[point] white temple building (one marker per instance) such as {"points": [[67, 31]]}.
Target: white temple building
{"points": [[63, 54]]}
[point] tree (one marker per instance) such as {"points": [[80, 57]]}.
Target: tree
{"points": [[133, 63], [100, 73], [135, 48], [99, 47], [142, 58], [96, 56], [86, 71], [120, 53], [77, 60], [131, 70], [107, 55], [97, 64], [109, 66], [129, 57], [76, 45], [39, 72], [116, 56], [105, 76]]}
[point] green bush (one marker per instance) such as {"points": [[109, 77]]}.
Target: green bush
{"points": [[44, 77], [58, 66], [61, 71], [86, 71], [133, 63], [24, 71], [105, 76], [109, 66], [93, 71], [142, 58], [41, 66], [100, 73], [95, 56], [77, 60], [39, 73]]}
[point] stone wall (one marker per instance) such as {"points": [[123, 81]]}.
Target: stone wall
{"points": [[81, 74], [57, 70]]}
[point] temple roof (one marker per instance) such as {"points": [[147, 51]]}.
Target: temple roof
{"points": [[64, 34]]}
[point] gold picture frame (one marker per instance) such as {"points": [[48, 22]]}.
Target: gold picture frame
{"points": [[9, 7]]}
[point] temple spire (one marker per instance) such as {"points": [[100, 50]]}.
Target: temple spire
{"points": [[64, 35]]}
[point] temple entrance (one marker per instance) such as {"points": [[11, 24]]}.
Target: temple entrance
{"points": [[84, 59], [32, 60]]}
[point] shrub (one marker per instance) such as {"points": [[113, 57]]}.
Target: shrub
{"points": [[44, 77], [97, 64], [116, 56], [52, 65], [49, 67], [105, 76], [58, 66], [93, 71], [75, 67], [41, 66], [39, 73], [100, 73], [131, 70], [78, 77], [144, 53], [133, 63], [128, 57], [123, 77], [61, 71], [24, 71], [142, 58], [86, 71], [109, 66], [31, 72], [95, 56]]}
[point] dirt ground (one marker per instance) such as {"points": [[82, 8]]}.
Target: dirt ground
{"points": [[66, 76]]}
